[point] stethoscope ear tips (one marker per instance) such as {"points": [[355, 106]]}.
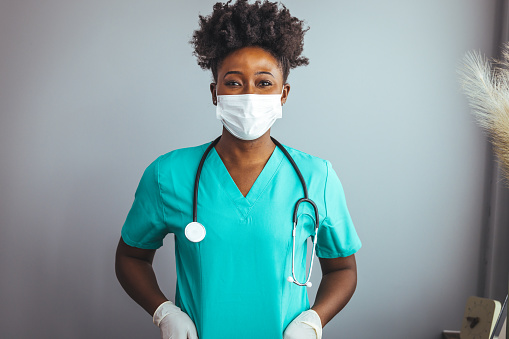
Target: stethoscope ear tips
{"points": [[290, 279]]}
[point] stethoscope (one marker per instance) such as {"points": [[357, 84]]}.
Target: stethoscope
{"points": [[196, 232]]}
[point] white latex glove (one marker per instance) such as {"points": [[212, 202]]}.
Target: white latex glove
{"points": [[307, 325], [173, 323]]}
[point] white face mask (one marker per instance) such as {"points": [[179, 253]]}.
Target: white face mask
{"points": [[248, 116]]}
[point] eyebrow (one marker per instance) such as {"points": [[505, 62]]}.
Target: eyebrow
{"points": [[257, 73], [231, 72]]}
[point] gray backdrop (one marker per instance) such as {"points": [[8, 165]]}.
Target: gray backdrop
{"points": [[92, 91]]}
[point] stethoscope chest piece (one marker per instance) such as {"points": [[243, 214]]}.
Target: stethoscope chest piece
{"points": [[195, 231]]}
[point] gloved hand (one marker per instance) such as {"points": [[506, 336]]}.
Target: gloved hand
{"points": [[173, 323], [307, 325]]}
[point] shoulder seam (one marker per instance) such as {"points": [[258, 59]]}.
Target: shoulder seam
{"points": [[291, 149], [159, 191], [325, 188]]}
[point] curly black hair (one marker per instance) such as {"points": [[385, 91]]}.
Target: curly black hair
{"points": [[234, 26]]}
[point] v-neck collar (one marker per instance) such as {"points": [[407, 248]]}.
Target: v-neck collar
{"points": [[244, 204]]}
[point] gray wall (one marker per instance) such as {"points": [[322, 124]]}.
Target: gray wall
{"points": [[92, 91]]}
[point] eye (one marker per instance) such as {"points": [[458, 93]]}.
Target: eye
{"points": [[265, 83], [231, 83]]}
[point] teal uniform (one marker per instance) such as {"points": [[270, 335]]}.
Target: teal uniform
{"points": [[233, 284]]}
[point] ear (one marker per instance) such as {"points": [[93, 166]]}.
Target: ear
{"points": [[213, 92], [286, 91]]}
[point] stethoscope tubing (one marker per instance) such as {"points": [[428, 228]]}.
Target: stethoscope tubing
{"points": [[295, 211], [197, 179]]}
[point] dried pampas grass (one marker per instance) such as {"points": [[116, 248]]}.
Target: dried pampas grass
{"points": [[486, 84]]}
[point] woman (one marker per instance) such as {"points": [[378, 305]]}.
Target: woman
{"points": [[232, 272]]}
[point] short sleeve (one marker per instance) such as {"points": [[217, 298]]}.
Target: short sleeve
{"points": [[336, 235], [144, 226]]}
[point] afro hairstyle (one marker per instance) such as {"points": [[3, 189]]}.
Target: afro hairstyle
{"points": [[262, 24]]}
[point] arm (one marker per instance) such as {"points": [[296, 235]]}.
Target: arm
{"points": [[133, 267], [339, 279]]}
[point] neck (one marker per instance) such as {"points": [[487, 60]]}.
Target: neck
{"points": [[244, 152]]}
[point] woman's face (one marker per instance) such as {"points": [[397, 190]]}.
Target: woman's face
{"points": [[249, 70]]}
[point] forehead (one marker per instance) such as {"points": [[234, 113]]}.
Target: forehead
{"points": [[250, 59]]}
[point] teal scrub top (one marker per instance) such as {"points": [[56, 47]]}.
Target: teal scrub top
{"points": [[233, 284]]}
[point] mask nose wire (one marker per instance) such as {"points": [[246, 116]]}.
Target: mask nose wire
{"points": [[282, 91]]}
